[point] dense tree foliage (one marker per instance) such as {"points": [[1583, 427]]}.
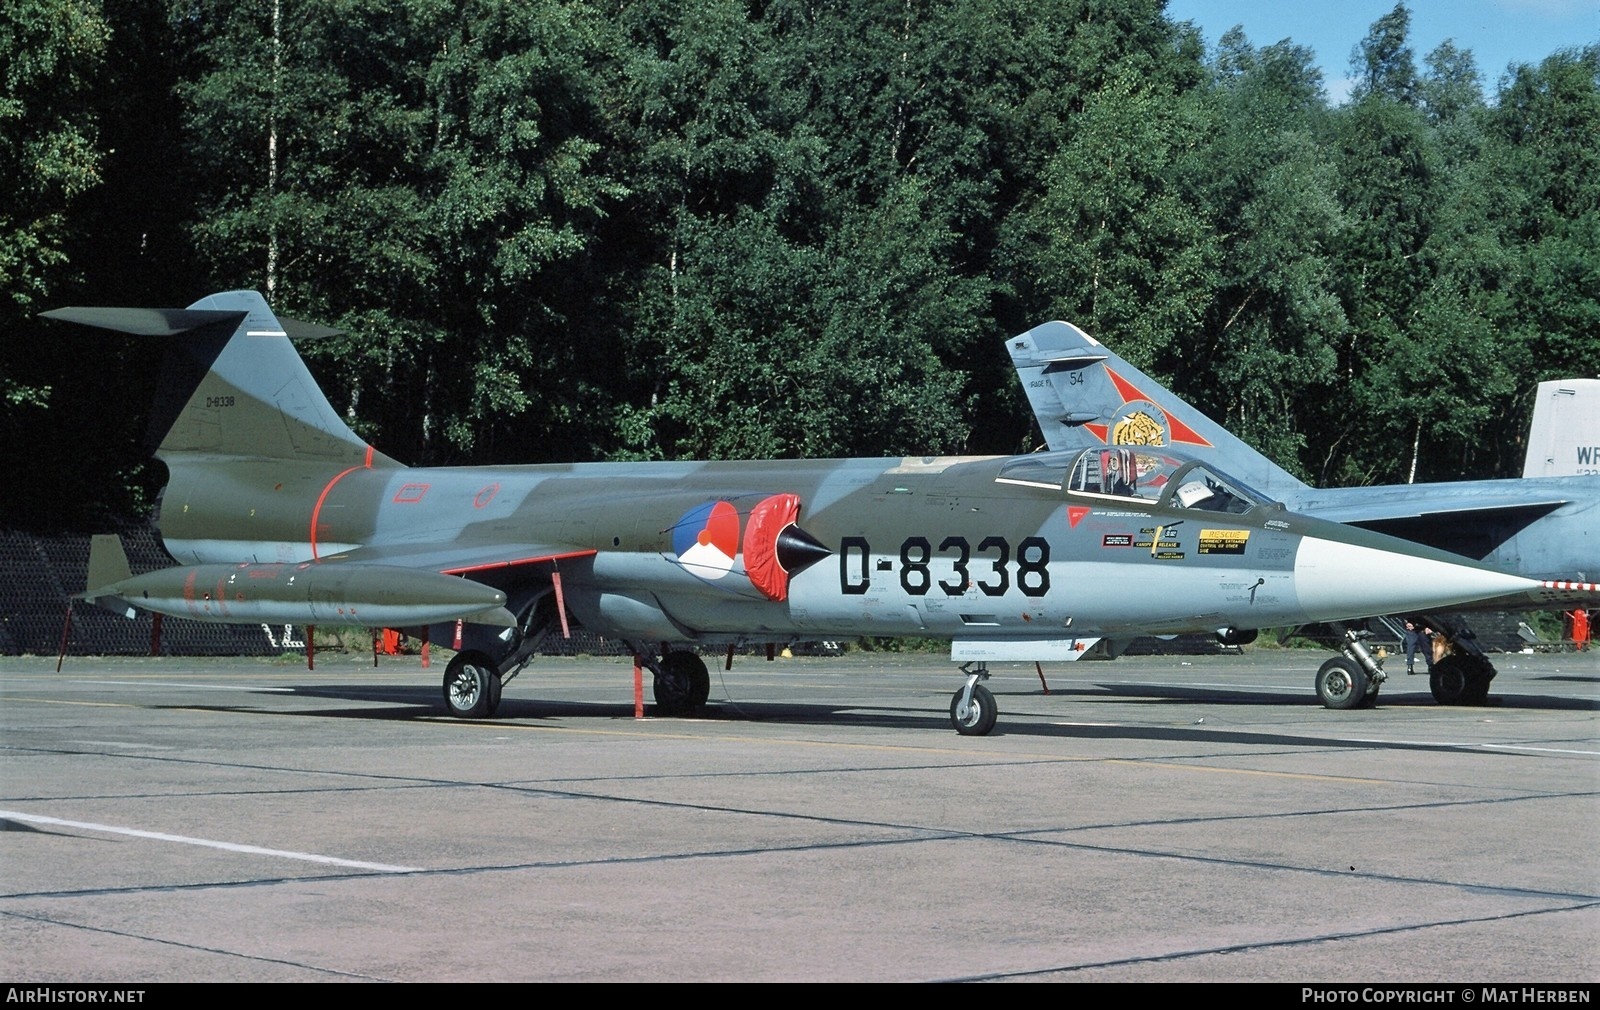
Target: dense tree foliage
{"points": [[555, 229]]}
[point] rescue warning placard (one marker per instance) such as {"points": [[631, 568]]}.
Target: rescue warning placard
{"points": [[1223, 541]]}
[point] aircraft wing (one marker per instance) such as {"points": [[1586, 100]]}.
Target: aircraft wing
{"points": [[1470, 518], [142, 322], [1385, 517]]}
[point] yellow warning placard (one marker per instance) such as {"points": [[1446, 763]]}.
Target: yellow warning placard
{"points": [[1223, 541]]}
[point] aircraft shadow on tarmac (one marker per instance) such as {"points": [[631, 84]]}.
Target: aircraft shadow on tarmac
{"points": [[1399, 692], [422, 702]]}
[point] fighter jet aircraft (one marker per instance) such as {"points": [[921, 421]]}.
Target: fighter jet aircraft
{"points": [[1085, 396], [275, 511]]}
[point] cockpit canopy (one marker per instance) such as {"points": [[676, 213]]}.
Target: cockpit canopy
{"points": [[1156, 476]]}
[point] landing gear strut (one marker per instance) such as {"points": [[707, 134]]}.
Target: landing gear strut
{"points": [[972, 709], [488, 659], [1351, 679]]}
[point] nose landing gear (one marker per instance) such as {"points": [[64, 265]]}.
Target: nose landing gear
{"points": [[1352, 679], [972, 709]]}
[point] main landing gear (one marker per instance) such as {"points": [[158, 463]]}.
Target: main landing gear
{"points": [[472, 686], [1461, 679], [473, 683], [488, 659], [682, 683], [1461, 672], [972, 709]]}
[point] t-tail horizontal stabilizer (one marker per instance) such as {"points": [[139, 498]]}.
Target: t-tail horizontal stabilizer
{"points": [[233, 384]]}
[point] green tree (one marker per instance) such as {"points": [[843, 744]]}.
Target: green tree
{"points": [[1452, 86], [1542, 145], [420, 174], [722, 170], [1120, 240], [1459, 370], [1383, 61], [971, 102], [50, 157], [1389, 187], [1265, 347], [1385, 186], [790, 349], [51, 52]]}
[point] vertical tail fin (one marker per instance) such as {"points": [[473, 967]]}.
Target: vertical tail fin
{"points": [[233, 385], [1084, 395], [108, 564], [1564, 438]]}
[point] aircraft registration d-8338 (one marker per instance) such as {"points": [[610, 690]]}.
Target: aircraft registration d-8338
{"points": [[275, 511]]}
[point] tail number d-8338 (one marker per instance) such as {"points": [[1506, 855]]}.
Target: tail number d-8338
{"points": [[991, 567]]}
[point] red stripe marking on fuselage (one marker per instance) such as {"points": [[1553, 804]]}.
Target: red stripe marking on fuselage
{"points": [[316, 510]]}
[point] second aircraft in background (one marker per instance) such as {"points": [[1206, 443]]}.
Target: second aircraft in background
{"points": [[1085, 396]]}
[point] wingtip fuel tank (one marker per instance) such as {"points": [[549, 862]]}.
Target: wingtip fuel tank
{"points": [[308, 593]]}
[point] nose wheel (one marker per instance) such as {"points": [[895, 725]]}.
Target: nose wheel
{"points": [[972, 709], [1341, 683]]}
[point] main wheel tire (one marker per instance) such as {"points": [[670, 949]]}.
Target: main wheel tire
{"points": [[496, 686], [1477, 688], [1461, 679], [471, 686], [683, 685], [980, 715], [1449, 681], [1370, 699], [1341, 684]]}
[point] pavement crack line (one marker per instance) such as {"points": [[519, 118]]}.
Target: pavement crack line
{"points": [[1237, 948], [199, 948]]}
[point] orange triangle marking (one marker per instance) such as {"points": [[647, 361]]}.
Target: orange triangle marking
{"points": [[1179, 431], [1075, 513], [1183, 433], [1125, 388]]}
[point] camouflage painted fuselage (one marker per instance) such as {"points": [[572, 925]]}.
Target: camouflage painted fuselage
{"points": [[964, 548], [1048, 549]]}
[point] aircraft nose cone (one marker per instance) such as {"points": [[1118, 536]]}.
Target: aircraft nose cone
{"points": [[1335, 579], [799, 550]]}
